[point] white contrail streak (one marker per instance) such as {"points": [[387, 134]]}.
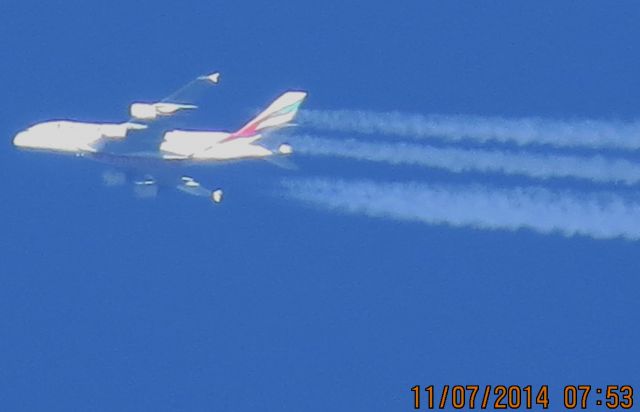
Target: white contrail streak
{"points": [[540, 166], [523, 131], [600, 216]]}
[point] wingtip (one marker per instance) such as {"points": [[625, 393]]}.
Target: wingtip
{"points": [[217, 196], [212, 78]]}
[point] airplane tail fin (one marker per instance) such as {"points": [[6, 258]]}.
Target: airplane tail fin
{"points": [[279, 114]]}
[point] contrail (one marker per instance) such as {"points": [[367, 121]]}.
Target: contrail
{"points": [[524, 131], [600, 216], [539, 166]]}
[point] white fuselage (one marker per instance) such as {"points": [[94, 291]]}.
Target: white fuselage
{"points": [[79, 137], [203, 145], [71, 136]]}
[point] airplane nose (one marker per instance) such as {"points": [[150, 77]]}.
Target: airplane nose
{"points": [[19, 140]]}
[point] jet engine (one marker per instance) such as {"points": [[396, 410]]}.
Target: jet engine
{"points": [[285, 149], [151, 111], [143, 111]]}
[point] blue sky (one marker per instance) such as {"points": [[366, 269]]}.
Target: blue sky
{"points": [[109, 302]]}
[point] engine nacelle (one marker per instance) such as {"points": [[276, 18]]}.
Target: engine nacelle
{"points": [[143, 111], [285, 149], [151, 111]]}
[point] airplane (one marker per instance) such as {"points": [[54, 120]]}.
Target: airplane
{"points": [[82, 137], [178, 150]]}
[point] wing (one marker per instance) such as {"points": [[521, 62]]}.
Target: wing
{"points": [[180, 100], [148, 174], [158, 117], [192, 90]]}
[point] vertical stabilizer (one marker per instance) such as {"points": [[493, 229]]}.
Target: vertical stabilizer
{"points": [[279, 114]]}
